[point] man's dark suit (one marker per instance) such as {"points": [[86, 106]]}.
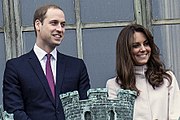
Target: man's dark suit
{"points": [[26, 92]]}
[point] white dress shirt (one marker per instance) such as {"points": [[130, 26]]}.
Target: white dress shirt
{"points": [[41, 55]]}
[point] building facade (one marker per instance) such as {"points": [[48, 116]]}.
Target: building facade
{"points": [[92, 30]]}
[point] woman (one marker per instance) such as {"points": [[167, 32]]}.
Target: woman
{"points": [[139, 68]]}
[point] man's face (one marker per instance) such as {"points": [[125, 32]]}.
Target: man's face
{"points": [[51, 31]]}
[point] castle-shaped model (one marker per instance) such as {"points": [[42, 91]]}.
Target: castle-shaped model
{"points": [[4, 115], [98, 106]]}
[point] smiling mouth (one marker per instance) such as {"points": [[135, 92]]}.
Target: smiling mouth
{"points": [[142, 56], [57, 36]]}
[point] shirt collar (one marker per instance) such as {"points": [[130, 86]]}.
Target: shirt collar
{"points": [[40, 53]]}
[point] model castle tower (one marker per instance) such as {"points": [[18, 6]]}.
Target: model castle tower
{"points": [[98, 106]]}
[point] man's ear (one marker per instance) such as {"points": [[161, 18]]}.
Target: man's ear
{"points": [[37, 24]]}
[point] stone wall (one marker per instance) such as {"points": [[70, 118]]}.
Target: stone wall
{"points": [[98, 106]]}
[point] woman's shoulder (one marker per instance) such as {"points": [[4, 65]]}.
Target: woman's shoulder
{"points": [[174, 80], [112, 82], [171, 74]]}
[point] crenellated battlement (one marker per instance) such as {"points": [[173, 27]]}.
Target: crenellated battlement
{"points": [[98, 106]]}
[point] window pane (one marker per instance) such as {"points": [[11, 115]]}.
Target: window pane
{"points": [[107, 10], [2, 62], [28, 8], [1, 18], [99, 54], [68, 45], [167, 39], [29, 40], [165, 9]]}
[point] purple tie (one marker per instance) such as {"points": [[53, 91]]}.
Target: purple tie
{"points": [[49, 74]]}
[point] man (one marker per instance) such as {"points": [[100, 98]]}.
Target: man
{"points": [[26, 90]]}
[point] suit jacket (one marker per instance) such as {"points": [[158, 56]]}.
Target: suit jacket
{"points": [[26, 92]]}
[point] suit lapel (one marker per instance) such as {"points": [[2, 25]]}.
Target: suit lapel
{"points": [[59, 74], [33, 60]]}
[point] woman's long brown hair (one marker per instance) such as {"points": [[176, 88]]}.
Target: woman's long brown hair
{"points": [[124, 62]]}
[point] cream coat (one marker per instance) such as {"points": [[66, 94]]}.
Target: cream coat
{"points": [[162, 103]]}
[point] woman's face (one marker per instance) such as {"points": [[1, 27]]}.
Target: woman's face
{"points": [[141, 50]]}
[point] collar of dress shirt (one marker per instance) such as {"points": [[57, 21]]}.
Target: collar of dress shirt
{"points": [[40, 53]]}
